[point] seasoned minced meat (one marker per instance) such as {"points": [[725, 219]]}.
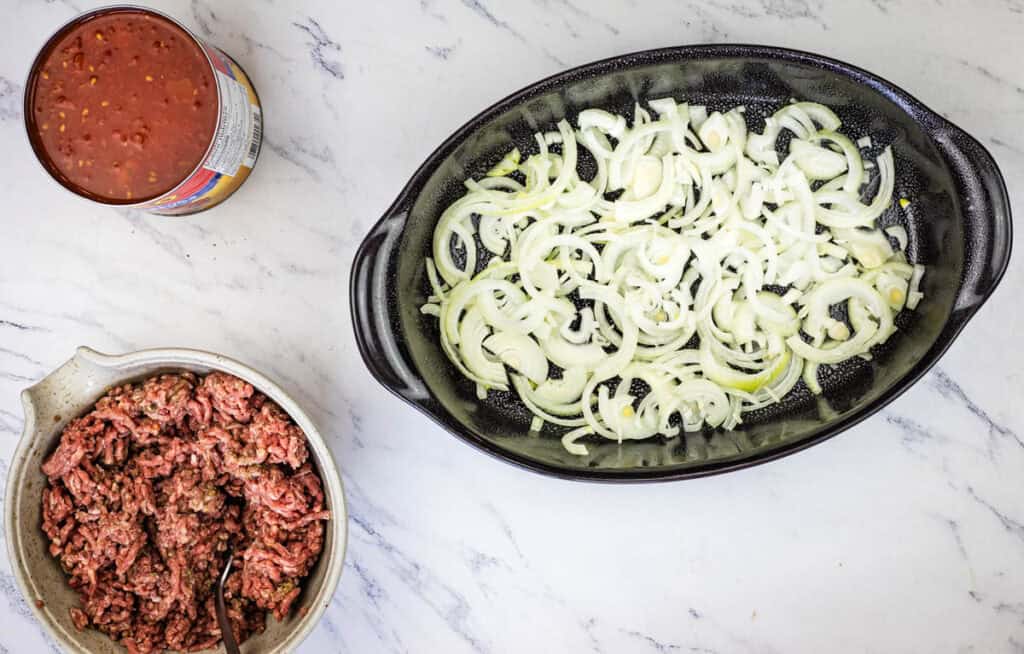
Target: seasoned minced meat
{"points": [[148, 492]]}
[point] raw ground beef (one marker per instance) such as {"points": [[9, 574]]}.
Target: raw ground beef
{"points": [[149, 491]]}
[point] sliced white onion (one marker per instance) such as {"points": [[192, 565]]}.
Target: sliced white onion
{"points": [[519, 352], [707, 225], [815, 161]]}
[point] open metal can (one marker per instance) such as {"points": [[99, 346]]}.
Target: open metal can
{"points": [[126, 107]]}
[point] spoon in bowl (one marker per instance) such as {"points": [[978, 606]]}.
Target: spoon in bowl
{"points": [[228, 636]]}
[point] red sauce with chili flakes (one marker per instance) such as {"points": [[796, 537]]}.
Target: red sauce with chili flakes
{"points": [[123, 106]]}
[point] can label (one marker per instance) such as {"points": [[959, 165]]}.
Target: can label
{"points": [[233, 152], [234, 128]]}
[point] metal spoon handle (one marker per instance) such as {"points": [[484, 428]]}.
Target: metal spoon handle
{"points": [[226, 634]]}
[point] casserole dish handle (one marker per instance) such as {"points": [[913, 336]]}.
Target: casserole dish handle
{"points": [[374, 322], [987, 224]]}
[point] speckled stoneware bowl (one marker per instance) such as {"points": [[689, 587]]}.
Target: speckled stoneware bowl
{"points": [[69, 392]]}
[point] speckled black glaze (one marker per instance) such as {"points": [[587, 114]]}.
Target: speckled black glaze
{"points": [[958, 222]]}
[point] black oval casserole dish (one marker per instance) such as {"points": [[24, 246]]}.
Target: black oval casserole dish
{"points": [[958, 221]]}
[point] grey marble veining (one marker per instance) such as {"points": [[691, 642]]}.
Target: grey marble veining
{"points": [[904, 535]]}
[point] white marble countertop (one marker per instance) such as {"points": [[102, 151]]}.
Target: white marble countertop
{"points": [[906, 534]]}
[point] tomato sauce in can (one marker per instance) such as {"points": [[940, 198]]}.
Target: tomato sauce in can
{"points": [[126, 107]]}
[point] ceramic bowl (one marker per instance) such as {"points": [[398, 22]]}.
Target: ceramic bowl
{"points": [[70, 391], [958, 226]]}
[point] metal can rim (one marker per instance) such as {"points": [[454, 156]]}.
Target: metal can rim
{"points": [[37, 61]]}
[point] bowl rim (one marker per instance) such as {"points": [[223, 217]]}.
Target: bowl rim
{"points": [[171, 357], [929, 119]]}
